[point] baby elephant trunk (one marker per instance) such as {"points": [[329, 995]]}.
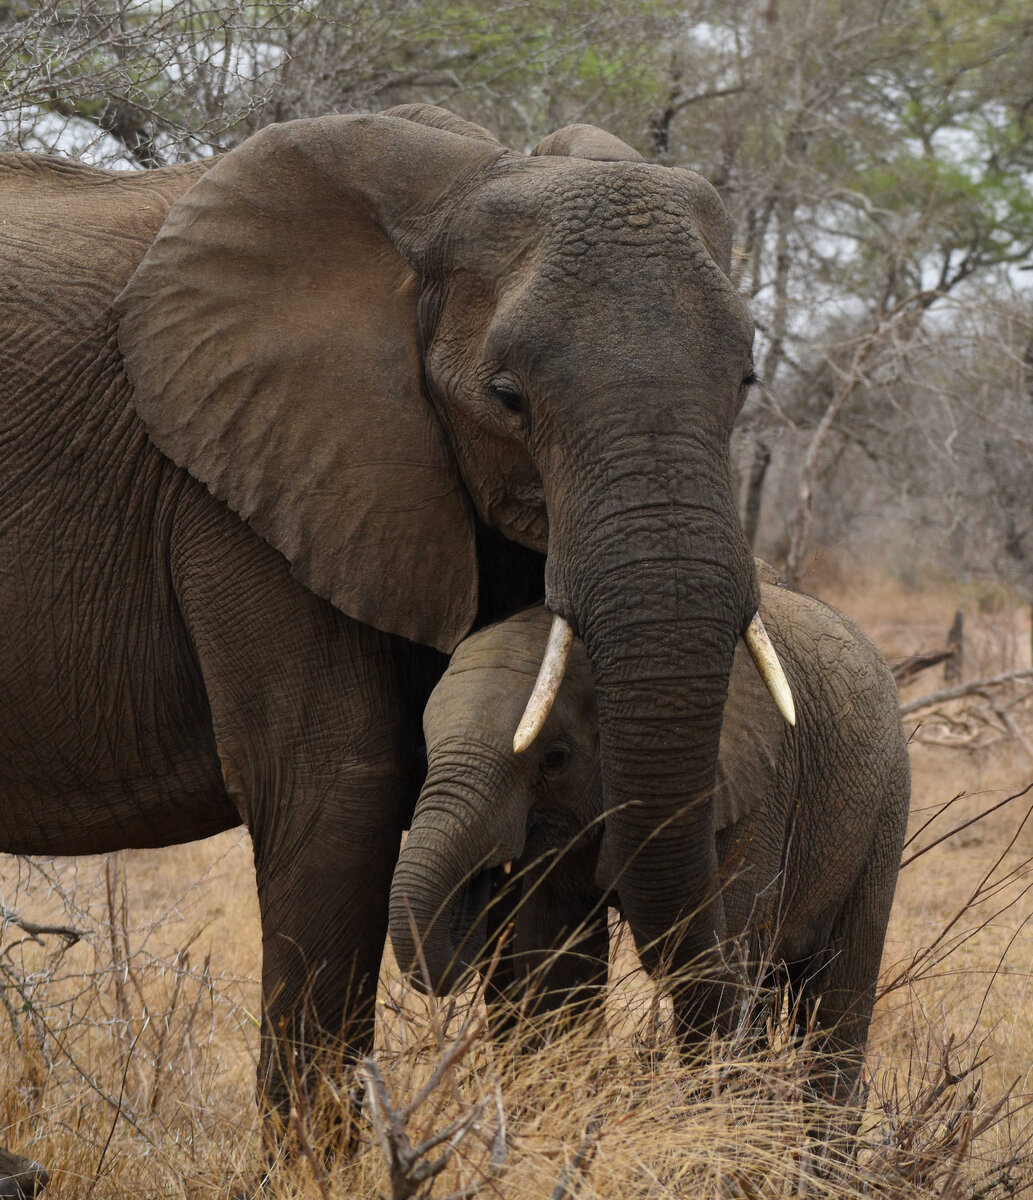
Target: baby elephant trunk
{"points": [[452, 865]]}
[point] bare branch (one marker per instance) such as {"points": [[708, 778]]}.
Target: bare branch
{"points": [[69, 933], [915, 664], [965, 689]]}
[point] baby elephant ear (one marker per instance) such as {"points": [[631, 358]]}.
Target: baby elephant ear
{"points": [[587, 141], [752, 734], [271, 337]]}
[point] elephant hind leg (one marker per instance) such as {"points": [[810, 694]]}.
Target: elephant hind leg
{"points": [[838, 992]]}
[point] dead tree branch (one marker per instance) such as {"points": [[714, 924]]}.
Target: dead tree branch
{"points": [[572, 1175], [915, 664], [70, 934], [964, 689], [408, 1167]]}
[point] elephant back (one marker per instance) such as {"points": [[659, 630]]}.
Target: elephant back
{"points": [[80, 226]]}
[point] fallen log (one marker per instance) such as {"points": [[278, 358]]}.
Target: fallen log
{"points": [[915, 664]]}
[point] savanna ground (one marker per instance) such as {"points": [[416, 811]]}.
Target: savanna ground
{"points": [[127, 1058]]}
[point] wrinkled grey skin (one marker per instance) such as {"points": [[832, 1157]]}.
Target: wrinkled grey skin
{"points": [[20, 1178], [279, 424], [809, 823]]}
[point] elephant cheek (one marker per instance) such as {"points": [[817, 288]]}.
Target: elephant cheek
{"points": [[499, 474]]}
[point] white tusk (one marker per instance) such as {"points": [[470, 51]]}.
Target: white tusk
{"points": [[507, 867], [759, 645], [546, 686]]}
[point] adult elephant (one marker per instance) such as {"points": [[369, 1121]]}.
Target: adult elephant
{"points": [[808, 828], [262, 415]]}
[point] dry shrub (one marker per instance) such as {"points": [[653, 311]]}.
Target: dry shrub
{"points": [[453, 1114], [114, 1041]]}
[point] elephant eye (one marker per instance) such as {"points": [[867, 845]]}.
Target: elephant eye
{"points": [[751, 377], [504, 393], [556, 758]]}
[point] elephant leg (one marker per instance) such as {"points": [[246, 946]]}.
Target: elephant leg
{"points": [[504, 981], [570, 984], [771, 989], [838, 993], [324, 878], [316, 719], [553, 972]]}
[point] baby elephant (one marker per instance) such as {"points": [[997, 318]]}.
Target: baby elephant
{"points": [[808, 825]]}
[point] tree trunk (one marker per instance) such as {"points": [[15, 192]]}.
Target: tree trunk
{"points": [[759, 463], [955, 643]]}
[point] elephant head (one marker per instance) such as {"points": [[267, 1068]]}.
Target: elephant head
{"points": [[365, 332], [488, 818], [512, 841]]}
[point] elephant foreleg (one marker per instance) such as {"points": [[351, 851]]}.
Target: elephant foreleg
{"points": [[552, 973], [571, 982], [324, 875], [316, 720]]}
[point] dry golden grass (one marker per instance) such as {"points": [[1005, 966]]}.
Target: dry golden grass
{"points": [[127, 1059]]}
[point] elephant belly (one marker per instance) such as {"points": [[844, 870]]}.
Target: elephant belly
{"points": [[93, 821], [106, 738], [778, 899], [106, 754], [113, 755]]}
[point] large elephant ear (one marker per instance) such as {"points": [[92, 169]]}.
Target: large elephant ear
{"points": [[271, 337], [752, 735]]}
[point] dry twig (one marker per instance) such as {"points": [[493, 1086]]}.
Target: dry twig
{"points": [[915, 664], [70, 934]]}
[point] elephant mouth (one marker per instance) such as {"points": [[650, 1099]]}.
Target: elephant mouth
{"points": [[480, 914]]}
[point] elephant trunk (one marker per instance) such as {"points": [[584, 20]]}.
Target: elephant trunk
{"points": [[653, 570], [450, 866]]}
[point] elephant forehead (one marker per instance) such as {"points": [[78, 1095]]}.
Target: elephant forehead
{"points": [[491, 675], [571, 202], [543, 181], [519, 638], [604, 266], [481, 701]]}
